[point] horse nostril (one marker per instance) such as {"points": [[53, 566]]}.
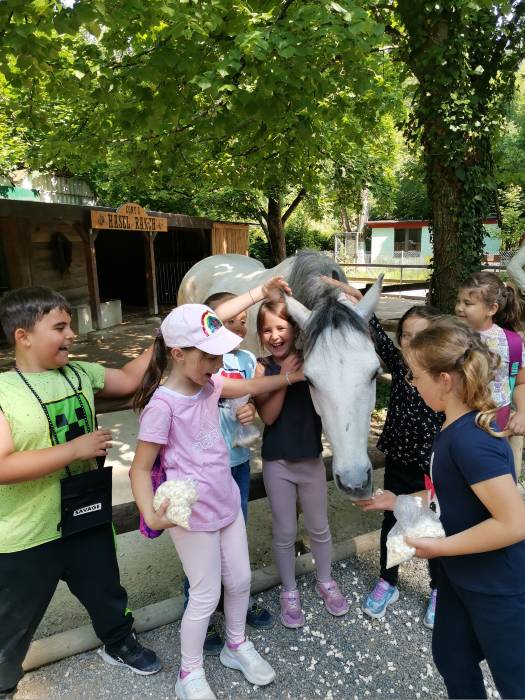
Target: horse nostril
{"points": [[355, 491]]}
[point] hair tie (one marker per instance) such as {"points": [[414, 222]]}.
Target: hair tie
{"points": [[465, 355], [158, 332]]}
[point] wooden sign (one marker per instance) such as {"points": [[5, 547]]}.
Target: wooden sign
{"points": [[130, 217]]}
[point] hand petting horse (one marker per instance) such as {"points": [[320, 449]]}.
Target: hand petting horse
{"points": [[340, 362]]}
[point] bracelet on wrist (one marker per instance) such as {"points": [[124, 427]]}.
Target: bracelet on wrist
{"points": [[287, 375]]}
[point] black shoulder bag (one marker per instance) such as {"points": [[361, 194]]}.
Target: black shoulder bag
{"points": [[85, 499]]}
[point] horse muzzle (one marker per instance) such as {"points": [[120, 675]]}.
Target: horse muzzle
{"points": [[357, 490]]}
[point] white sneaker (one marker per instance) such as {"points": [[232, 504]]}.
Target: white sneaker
{"points": [[247, 659], [194, 686]]}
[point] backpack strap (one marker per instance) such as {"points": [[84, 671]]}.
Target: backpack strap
{"points": [[515, 344]]}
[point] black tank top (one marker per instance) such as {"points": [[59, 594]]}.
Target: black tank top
{"points": [[296, 434]]}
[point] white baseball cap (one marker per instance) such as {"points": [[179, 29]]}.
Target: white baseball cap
{"points": [[198, 326]]}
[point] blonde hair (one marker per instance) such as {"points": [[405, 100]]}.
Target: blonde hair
{"points": [[449, 345]]}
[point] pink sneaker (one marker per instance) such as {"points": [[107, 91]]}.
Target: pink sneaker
{"points": [[334, 600], [291, 614]]}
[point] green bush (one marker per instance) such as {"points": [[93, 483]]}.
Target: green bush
{"points": [[298, 234]]}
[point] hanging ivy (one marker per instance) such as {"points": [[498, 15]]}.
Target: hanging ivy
{"points": [[463, 55]]}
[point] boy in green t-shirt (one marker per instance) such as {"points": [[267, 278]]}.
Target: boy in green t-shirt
{"points": [[47, 423]]}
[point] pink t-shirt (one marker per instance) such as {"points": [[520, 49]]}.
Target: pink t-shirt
{"points": [[188, 429]]}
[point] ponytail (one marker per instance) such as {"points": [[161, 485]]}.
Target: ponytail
{"points": [[478, 371], [510, 313], [152, 375]]}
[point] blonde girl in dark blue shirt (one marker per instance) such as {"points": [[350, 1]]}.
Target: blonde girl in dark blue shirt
{"points": [[480, 610]]}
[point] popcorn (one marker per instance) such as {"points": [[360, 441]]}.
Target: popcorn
{"points": [[413, 520], [398, 550], [182, 494]]}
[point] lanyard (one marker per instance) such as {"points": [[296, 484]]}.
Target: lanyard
{"points": [[52, 430]]}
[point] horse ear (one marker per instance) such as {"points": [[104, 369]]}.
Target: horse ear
{"points": [[368, 303], [297, 311]]}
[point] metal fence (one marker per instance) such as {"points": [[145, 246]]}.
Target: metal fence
{"points": [[169, 277], [345, 253]]}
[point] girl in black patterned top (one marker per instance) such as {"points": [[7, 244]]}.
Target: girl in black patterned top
{"points": [[406, 441]]}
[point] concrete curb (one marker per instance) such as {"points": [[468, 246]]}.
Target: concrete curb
{"points": [[76, 641]]}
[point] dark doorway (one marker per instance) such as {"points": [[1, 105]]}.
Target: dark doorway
{"points": [[175, 253], [121, 267]]}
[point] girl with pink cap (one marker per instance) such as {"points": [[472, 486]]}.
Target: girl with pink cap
{"points": [[180, 423]]}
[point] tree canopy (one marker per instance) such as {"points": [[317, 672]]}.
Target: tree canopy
{"points": [[260, 105]]}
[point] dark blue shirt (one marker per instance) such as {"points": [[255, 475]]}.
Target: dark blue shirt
{"points": [[296, 433], [465, 454]]}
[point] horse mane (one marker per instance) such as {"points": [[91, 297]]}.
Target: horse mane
{"points": [[327, 311], [308, 266]]}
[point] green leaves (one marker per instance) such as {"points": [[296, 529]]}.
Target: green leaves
{"points": [[464, 56]]}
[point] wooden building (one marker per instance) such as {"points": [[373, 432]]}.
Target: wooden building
{"points": [[81, 252]]}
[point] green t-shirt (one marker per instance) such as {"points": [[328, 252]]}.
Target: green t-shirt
{"points": [[30, 510]]}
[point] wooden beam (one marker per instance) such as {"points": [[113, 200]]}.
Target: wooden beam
{"points": [[126, 515], [16, 238], [151, 272], [88, 239]]}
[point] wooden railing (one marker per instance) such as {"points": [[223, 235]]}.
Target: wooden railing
{"points": [[402, 266]]}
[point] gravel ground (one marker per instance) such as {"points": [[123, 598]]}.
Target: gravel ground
{"points": [[349, 657]]}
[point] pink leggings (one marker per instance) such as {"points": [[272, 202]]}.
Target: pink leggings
{"points": [[284, 481], [206, 558]]}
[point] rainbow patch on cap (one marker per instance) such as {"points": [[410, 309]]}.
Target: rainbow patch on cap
{"points": [[210, 323]]}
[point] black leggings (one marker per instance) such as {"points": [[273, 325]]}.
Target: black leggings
{"points": [[87, 562], [401, 479]]}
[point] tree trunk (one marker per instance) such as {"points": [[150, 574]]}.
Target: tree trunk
{"points": [[274, 220], [345, 223], [457, 246], [445, 200], [275, 226]]}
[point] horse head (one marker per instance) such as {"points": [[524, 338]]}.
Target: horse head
{"points": [[341, 367]]}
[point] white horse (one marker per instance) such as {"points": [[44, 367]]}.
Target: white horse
{"points": [[340, 362]]}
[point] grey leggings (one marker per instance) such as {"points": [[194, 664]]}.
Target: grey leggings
{"points": [[284, 481]]}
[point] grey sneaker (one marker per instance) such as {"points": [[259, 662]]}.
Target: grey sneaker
{"points": [[247, 659], [194, 686]]}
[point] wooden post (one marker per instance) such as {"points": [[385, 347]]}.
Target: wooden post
{"points": [[151, 272], [88, 238], [16, 237]]}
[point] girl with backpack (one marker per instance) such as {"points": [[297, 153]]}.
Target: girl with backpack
{"points": [[494, 309]]}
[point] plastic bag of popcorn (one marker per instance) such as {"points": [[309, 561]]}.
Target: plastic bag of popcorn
{"points": [[245, 435], [181, 494], [413, 519]]}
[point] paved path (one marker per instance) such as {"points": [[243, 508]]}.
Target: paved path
{"points": [[349, 657]]}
